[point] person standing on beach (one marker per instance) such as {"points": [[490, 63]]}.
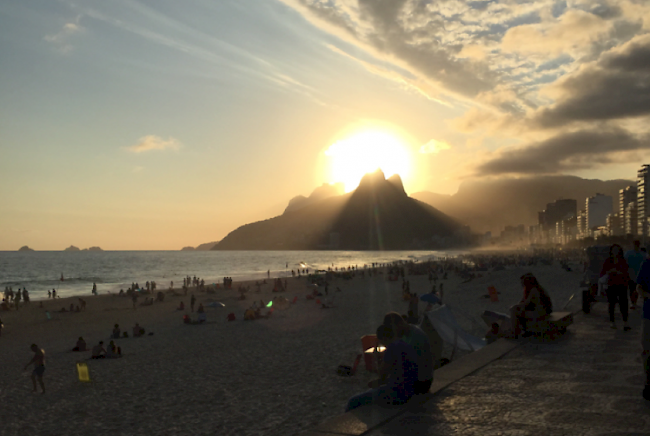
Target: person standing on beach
{"points": [[634, 259], [192, 301], [134, 298], [39, 366], [617, 271]]}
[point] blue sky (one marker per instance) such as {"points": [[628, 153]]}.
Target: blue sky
{"points": [[159, 124]]}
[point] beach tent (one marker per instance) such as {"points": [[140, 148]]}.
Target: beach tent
{"points": [[444, 321]]}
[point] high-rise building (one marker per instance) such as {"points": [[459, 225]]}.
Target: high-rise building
{"points": [[598, 207], [642, 200], [626, 196], [556, 212], [614, 227], [631, 221], [582, 224]]}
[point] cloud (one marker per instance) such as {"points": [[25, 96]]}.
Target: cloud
{"points": [[614, 87], [61, 39], [434, 147], [568, 151], [153, 142], [574, 31]]}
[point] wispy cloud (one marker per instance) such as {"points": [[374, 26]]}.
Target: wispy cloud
{"points": [[434, 147], [61, 39], [153, 142]]}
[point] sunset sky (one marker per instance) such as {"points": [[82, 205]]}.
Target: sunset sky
{"points": [[157, 124]]}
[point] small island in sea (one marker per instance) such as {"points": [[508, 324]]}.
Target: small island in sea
{"points": [[72, 248], [25, 248]]}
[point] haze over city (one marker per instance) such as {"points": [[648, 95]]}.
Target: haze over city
{"points": [[155, 125]]}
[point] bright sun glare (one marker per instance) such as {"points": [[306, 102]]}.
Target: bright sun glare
{"points": [[351, 158]]}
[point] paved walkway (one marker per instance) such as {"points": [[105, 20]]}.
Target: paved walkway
{"points": [[587, 383]]}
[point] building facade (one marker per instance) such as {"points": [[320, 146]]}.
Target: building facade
{"points": [[598, 207], [625, 197], [556, 212], [642, 200]]}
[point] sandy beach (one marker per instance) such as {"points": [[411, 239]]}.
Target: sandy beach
{"points": [[273, 376]]}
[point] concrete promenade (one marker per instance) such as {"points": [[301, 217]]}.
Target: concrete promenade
{"points": [[587, 383]]}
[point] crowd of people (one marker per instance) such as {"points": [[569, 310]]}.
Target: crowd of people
{"points": [[13, 299]]}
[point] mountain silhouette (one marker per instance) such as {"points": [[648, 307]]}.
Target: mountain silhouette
{"points": [[320, 193], [378, 215], [490, 205]]}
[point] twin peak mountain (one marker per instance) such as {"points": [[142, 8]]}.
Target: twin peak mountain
{"points": [[378, 215]]}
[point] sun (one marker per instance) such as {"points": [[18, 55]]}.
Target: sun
{"points": [[364, 152]]}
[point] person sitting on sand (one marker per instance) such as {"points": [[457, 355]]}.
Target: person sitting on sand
{"points": [[81, 345], [113, 351], [418, 339], [181, 306], [116, 332], [201, 312], [398, 373], [535, 304], [137, 330], [99, 352]]}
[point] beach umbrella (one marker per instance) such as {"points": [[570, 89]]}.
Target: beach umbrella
{"points": [[431, 298]]}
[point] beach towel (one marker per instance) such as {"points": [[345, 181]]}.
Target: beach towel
{"points": [[444, 321]]}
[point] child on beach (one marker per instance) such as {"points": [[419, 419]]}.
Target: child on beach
{"points": [[39, 366], [398, 373]]}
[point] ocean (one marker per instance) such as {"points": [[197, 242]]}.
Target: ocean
{"points": [[40, 271]]}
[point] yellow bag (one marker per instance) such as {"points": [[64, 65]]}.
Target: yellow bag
{"points": [[84, 373]]}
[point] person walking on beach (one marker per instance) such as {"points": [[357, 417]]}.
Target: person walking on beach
{"points": [[617, 271], [39, 366], [192, 301]]}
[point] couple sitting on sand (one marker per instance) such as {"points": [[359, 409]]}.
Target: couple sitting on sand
{"points": [[99, 352], [407, 367]]}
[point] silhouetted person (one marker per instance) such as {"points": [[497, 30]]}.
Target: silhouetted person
{"points": [[39, 366]]}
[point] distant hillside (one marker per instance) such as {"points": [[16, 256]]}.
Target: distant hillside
{"points": [[377, 215], [25, 248], [92, 249], [207, 246], [490, 205], [72, 248], [320, 193], [203, 247]]}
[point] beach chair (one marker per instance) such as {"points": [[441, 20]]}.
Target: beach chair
{"points": [[444, 322]]}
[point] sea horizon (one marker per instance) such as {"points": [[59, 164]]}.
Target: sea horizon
{"points": [[112, 270]]}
